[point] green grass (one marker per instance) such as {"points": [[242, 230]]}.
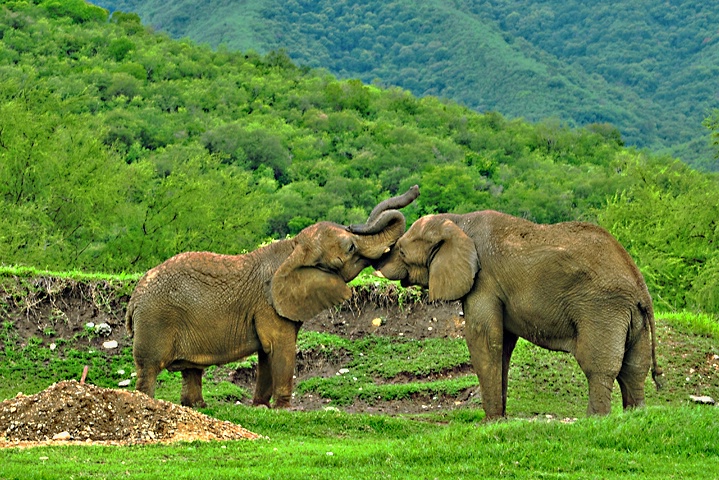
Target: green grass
{"points": [[693, 323], [31, 272], [671, 438], [650, 443]]}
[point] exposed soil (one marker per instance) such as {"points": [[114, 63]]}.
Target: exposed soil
{"points": [[71, 412]]}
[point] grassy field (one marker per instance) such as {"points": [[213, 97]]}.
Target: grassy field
{"points": [[656, 442], [546, 436]]}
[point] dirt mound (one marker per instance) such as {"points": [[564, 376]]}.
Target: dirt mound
{"points": [[71, 412]]}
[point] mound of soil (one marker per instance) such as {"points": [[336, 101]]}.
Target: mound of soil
{"points": [[71, 412]]}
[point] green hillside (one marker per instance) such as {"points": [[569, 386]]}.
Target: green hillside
{"points": [[649, 68], [120, 147]]}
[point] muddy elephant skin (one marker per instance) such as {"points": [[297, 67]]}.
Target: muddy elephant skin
{"points": [[569, 287], [199, 309]]}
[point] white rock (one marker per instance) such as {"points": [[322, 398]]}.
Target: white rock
{"points": [[342, 371], [103, 329], [706, 400], [121, 372], [124, 383], [62, 436], [110, 344], [53, 346]]}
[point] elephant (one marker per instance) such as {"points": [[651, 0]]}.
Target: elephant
{"points": [[200, 308], [567, 286]]}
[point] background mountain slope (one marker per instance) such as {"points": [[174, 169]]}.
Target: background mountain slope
{"points": [[649, 68], [120, 147]]}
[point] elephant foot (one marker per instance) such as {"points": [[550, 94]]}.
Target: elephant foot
{"points": [[261, 403], [493, 418], [193, 403], [282, 404]]}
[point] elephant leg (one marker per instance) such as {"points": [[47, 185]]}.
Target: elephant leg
{"points": [[191, 395], [263, 388], [147, 378], [282, 363], [599, 352], [508, 344], [633, 374], [279, 343], [485, 340]]}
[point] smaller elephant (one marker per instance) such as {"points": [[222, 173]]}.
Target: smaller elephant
{"points": [[199, 309], [569, 287]]}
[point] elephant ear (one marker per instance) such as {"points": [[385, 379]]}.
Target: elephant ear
{"points": [[454, 264], [300, 291]]}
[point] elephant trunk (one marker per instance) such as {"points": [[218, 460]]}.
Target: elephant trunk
{"points": [[377, 221], [384, 226], [384, 233]]}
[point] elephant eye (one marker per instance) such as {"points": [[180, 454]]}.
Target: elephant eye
{"points": [[351, 248]]}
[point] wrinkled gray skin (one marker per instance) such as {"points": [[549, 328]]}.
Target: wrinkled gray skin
{"points": [[199, 309], [570, 287]]}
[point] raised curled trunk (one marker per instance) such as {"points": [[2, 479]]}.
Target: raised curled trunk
{"points": [[384, 226]]}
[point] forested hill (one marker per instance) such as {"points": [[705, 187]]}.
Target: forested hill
{"points": [[649, 68], [120, 147]]}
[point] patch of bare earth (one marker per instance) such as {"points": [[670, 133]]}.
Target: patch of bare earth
{"points": [[69, 412]]}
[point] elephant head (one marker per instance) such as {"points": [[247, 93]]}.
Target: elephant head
{"points": [[326, 256], [434, 253]]}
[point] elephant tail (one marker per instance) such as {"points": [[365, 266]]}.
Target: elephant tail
{"points": [[648, 312], [128, 317]]}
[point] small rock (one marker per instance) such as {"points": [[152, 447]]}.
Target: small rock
{"points": [[342, 371], [124, 383], [377, 322], [103, 329], [90, 325], [706, 400], [121, 372], [110, 344], [53, 346], [62, 436]]}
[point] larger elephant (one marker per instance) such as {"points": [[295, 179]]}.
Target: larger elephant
{"points": [[568, 286], [199, 309]]}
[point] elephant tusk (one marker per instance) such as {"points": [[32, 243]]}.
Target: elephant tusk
{"points": [[377, 273], [386, 250]]}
